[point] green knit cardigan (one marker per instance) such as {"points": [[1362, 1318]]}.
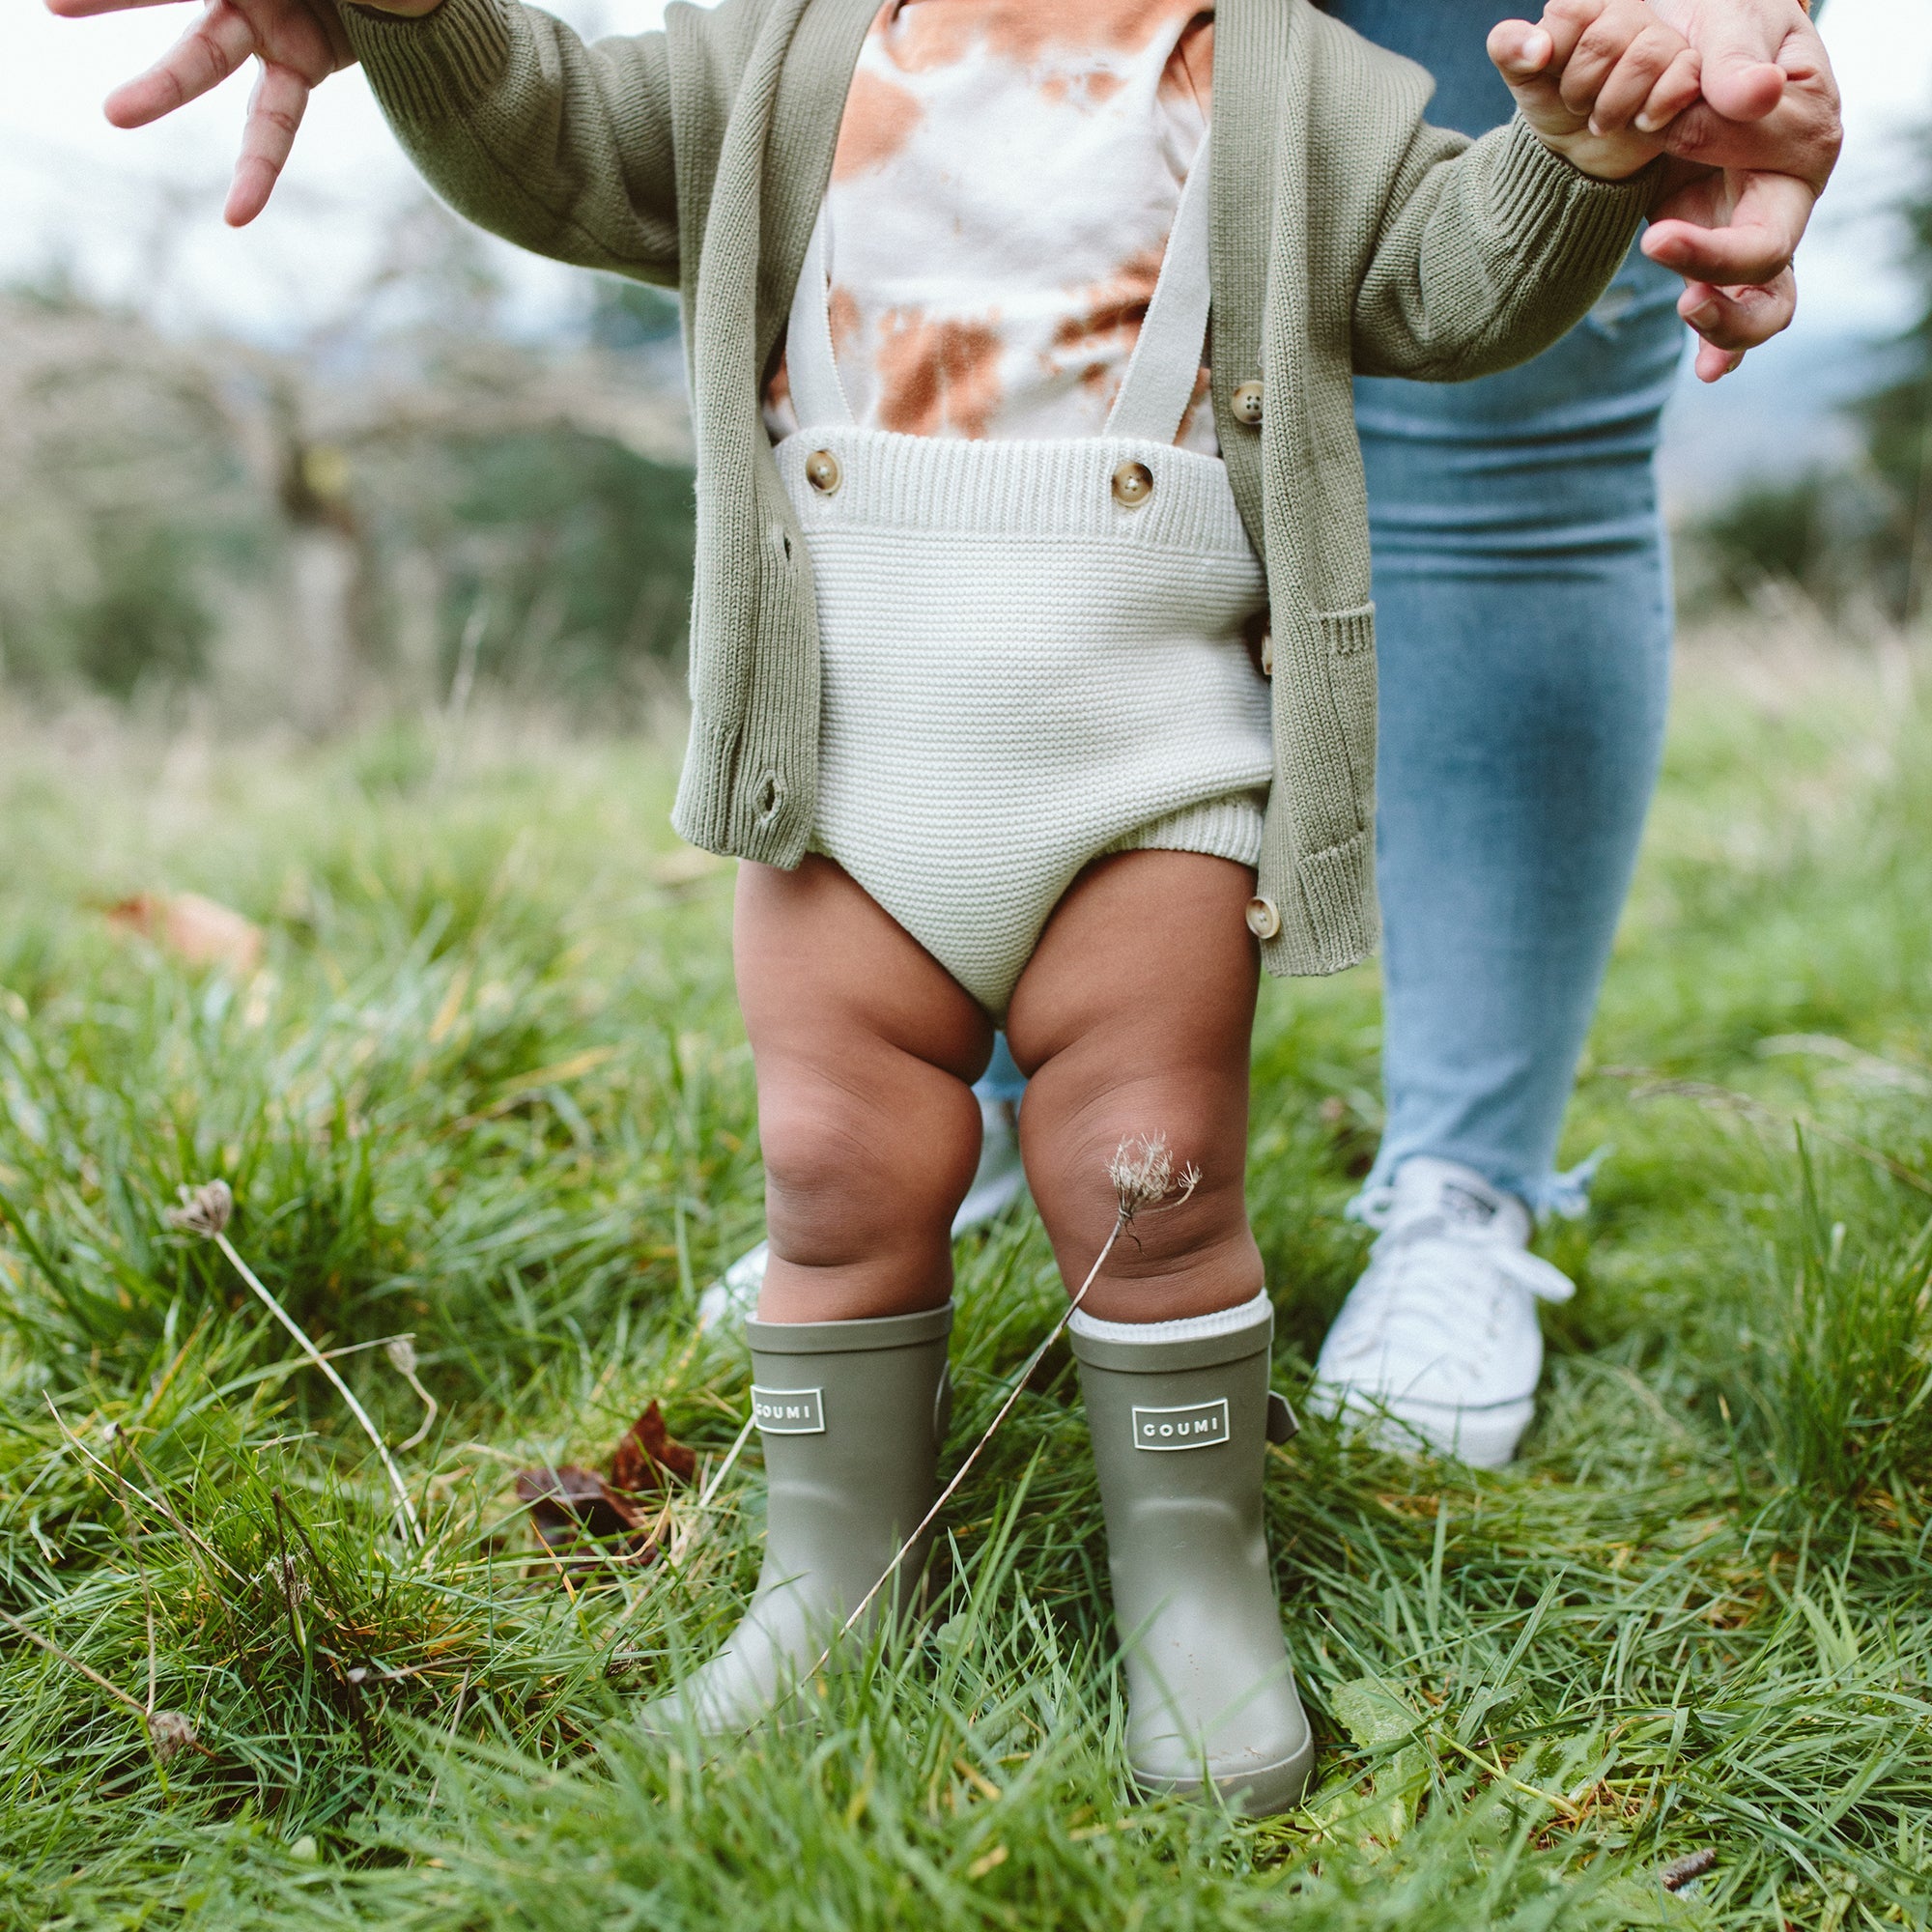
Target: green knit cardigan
{"points": [[1349, 236]]}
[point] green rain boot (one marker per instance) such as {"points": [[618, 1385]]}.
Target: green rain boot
{"points": [[1181, 1422], [852, 1415]]}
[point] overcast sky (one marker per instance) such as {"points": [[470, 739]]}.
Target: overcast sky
{"points": [[78, 189]]}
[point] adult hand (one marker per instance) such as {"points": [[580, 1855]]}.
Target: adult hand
{"points": [[1747, 164], [299, 43]]}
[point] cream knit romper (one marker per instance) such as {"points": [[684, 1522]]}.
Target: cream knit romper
{"points": [[1032, 652]]}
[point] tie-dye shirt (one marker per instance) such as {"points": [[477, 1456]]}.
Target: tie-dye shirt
{"points": [[1005, 178]]}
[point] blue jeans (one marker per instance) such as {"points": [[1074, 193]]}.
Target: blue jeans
{"points": [[1524, 643], [1523, 638], [1524, 604]]}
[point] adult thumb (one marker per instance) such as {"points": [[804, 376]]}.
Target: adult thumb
{"points": [[1742, 79]]}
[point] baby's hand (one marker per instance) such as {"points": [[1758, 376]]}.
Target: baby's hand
{"points": [[297, 45], [1598, 80]]}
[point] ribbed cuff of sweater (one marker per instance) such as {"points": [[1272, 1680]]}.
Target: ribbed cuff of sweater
{"points": [[1539, 189], [429, 68]]}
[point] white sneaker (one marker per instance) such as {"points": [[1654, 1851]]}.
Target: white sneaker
{"points": [[1439, 1338], [997, 1182]]}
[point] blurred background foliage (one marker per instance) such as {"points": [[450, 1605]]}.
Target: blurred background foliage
{"points": [[1853, 537], [406, 497]]}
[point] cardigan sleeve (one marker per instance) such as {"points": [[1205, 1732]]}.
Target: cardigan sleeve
{"points": [[562, 148], [1488, 252]]}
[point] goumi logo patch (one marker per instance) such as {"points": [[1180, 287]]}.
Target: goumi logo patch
{"points": [[788, 1411], [1199, 1425]]}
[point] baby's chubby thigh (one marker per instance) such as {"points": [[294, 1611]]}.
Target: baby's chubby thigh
{"points": [[1133, 1018], [866, 1050]]}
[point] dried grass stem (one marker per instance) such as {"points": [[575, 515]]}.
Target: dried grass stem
{"points": [[205, 1210]]}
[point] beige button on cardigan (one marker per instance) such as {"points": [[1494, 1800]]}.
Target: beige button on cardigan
{"points": [[1348, 236]]}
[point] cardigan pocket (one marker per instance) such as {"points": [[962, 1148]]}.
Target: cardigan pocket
{"points": [[1348, 647]]}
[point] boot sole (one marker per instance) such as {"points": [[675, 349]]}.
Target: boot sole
{"points": [[1251, 1794]]}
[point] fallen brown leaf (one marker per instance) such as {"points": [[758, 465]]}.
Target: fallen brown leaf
{"points": [[570, 1505], [198, 930], [649, 1455]]}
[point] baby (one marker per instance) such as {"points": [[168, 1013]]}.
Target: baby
{"points": [[1032, 665]]}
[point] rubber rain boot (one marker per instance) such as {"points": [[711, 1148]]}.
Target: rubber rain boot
{"points": [[851, 1414], [1180, 1430]]}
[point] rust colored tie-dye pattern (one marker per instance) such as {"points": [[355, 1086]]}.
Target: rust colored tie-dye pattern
{"points": [[1005, 178]]}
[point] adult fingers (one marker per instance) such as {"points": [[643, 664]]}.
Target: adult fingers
{"points": [[204, 57], [1743, 49], [1754, 244], [1800, 136], [1713, 365], [1737, 319], [275, 110]]}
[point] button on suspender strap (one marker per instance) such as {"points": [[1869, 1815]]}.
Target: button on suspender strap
{"points": [[1166, 357], [816, 393]]}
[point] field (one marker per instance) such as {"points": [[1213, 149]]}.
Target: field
{"points": [[487, 1089]]}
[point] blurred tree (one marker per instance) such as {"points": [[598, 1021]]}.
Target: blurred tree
{"points": [[332, 514], [578, 552], [121, 494]]}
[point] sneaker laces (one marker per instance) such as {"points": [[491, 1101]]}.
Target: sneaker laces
{"points": [[1431, 1271]]}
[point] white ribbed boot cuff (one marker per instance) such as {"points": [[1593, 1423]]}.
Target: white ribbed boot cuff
{"points": [[1196, 1328]]}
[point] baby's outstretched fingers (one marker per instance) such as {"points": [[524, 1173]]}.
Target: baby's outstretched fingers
{"points": [[297, 42], [275, 110], [218, 44]]}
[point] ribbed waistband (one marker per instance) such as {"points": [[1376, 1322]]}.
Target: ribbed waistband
{"points": [[1016, 491]]}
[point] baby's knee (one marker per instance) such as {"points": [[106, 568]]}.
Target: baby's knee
{"points": [[849, 1172], [1077, 1157]]}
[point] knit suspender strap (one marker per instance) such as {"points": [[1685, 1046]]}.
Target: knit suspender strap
{"points": [[1166, 357], [816, 393], [1161, 373]]}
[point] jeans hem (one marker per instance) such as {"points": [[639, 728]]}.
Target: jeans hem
{"points": [[1556, 1194]]}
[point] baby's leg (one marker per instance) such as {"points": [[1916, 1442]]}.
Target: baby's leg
{"points": [[1133, 1018], [867, 1050]]}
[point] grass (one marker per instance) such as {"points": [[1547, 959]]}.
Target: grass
{"points": [[490, 1090]]}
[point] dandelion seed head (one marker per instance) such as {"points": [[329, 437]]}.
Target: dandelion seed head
{"points": [[205, 1210], [1141, 1171], [171, 1733]]}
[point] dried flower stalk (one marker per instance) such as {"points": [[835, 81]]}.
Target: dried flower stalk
{"points": [[206, 1210], [401, 1353]]}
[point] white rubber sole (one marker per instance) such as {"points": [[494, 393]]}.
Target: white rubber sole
{"points": [[1485, 1438], [1265, 1793]]}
